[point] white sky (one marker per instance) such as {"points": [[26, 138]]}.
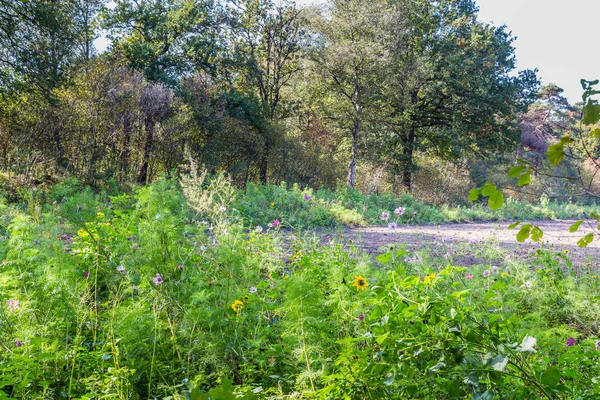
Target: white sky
{"points": [[558, 37]]}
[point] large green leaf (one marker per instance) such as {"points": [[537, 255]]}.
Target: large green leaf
{"points": [[516, 171], [496, 200], [575, 226], [473, 194], [586, 240], [525, 179], [591, 112], [556, 153], [524, 233]]}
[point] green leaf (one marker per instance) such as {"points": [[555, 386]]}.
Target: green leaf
{"points": [[390, 380], [513, 226], [524, 180], [496, 200], [595, 133], [536, 234], [473, 194], [384, 258], [381, 339], [586, 240], [591, 112], [556, 153], [551, 377], [488, 189], [575, 226], [524, 233], [516, 171]]}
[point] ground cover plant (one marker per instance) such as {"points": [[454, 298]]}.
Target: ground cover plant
{"points": [[170, 293]]}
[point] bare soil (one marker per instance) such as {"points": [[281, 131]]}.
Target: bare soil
{"points": [[374, 239]]}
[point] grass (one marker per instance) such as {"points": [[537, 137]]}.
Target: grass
{"points": [[82, 314]]}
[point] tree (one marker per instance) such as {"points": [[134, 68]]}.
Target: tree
{"points": [[353, 43], [267, 49], [452, 91]]}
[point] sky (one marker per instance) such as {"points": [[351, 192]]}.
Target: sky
{"points": [[557, 37]]}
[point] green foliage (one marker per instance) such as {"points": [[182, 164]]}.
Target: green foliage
{"points": [[134, 297]]}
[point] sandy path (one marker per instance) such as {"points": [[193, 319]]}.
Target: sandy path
{"points": [[556, 237]]}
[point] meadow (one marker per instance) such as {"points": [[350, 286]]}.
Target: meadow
{"points": [[191, 289]]}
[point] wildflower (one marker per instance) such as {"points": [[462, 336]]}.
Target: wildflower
{"points": [[360, 317], [469, 277], [429, 278], [86, 274], [571, 341], [12, 304], [597, 345], [237, 306], [504, 274], [158, 279], [486, 273], [135, 289], [276, 223], [495, 270], [269, 225], [392, 225], [566, 251], [222, 209], [18, 343], [384, 216], [527, 344], [100, 215], [253, 289], [202, 248], [360, 282], [121, 269], [399, 211], [307, 197], [180, 266], [259, 229], [414, 214], [527, 284]]}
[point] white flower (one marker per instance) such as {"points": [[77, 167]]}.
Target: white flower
{"points": [[222, 209], [259, 229], [527, 344]]}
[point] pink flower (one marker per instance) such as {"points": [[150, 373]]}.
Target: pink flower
{"points": [[158, 279], [306, 197], [121, 269], [392, 225], [12, 304], [180, 266], [571, 342], [486, 273], [276, 223], [384, 216], [469, 277], [86, 274], [18, 343], [495, 270], [399, 210]]}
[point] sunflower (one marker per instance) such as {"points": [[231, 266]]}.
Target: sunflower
{"points": [[237, 306], [360, 282]]}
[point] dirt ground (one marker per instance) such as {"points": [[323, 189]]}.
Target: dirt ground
{"points": [[443, 238]]}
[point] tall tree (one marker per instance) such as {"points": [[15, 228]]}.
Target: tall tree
{"points": [[353, 45], [452, 88], [268, 48]]}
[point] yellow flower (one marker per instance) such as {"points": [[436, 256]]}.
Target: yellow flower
{"points": [[360, 282], [82, 233], [429, 278], [100, 215], [504, 274], [237, 306], [566, 251], [272, 204], [593, 276]]}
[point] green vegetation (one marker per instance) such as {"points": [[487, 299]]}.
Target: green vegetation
{"points": [[166, 295]]}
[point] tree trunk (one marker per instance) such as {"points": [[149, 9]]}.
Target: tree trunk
{"points": [[264, 164], [143, 176], [354, 156], [409, 145]]}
